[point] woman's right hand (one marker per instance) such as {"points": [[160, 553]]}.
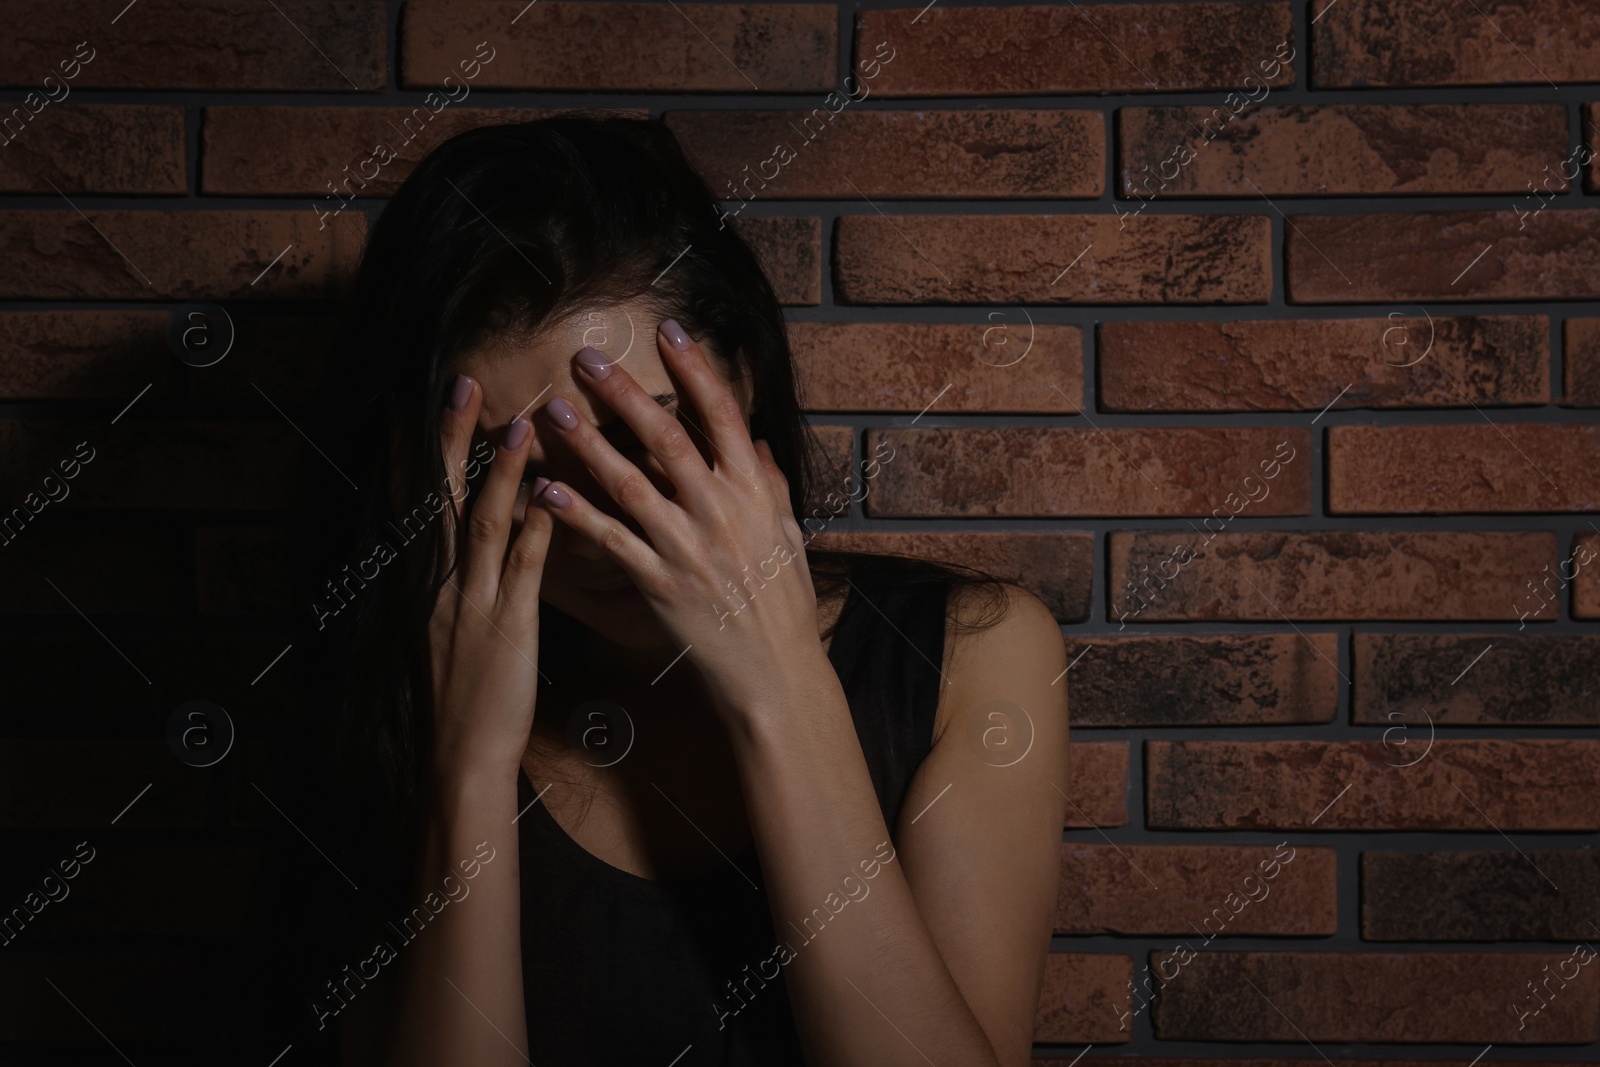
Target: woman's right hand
{"points": [[483, 638]]}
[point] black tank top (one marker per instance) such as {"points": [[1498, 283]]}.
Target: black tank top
{"points": [[622, 969]]}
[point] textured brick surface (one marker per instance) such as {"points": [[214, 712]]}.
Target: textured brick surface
{"points": [[179, 255], [1270, 577], [830, 153], [104, 149], [1034, 259], [1343, 259], [1203, 679], [84, 355], [769, 48], [1029, 471], [951, 51], [1298, 785], [1474, 680], [328, 46], [1582, 349], [1079, 995], [1586, 582], [790, 251], [1431, 42], [1209, 890], [1402, 361], [1475, 467], [1372, 996], [1097, 793], [1505, 895]]}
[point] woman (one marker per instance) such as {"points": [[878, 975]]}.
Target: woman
{"points": [[646, 775]]}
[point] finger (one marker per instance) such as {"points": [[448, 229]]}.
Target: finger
{"points": [[780, 484], [489, 525], [718, 409], [657, 429], [625, 483], [460, 418], [519, 585], [615, 539]]}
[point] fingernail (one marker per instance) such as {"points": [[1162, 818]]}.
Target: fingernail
{"points": [[517, 433], [555, 496], [674, 334], [460, 392], [538, 486], [594, 363], [563, 413]]}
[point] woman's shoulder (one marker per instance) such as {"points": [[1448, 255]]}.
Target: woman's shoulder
{"points": [[987, 621]]}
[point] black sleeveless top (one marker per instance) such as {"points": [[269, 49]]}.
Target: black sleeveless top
{"points": [[622, 969]]}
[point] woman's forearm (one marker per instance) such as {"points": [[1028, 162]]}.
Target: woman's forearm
{"points": [[458, 996]]}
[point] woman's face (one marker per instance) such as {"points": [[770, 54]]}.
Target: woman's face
{"points": [[579, 577]]}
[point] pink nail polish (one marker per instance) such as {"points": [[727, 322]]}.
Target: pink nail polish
{"points": [[594, 363], [517, 433], [674, 334], [555, 496], [460, 392], [563, 413]]}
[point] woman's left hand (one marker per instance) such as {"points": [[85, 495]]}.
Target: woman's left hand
{"points": [[725, 569]]}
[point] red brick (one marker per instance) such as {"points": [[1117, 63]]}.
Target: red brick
{"points": [[1405, 361], [1463, 468], [1151, 890], [790, 252], [67, 781], [1586, 586], [1057, 567], [1504, 895], [1444, 997], [177, 255], [329, 152], [102, 149], [1001, 155], [1434, 42], [1406, 680], [282, 356], [1028, 471], [1097, 793], [1343, 259], [338, 46], [1034, 259], [953, 51], [1080, 996], [707, 48], [1581, 347], [109, 569], [1203, 679], [1338, 149], [1005, 364], [1332, 575], [1476, 785], [84, 355]]}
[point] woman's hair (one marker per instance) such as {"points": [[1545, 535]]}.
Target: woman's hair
{"points": [[499, 234]]}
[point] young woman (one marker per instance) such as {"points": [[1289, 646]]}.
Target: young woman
{"points": [[630, 771]]}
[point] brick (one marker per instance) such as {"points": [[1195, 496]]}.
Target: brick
{"points": [[338, 46], [819, 154], [1193, 889], [1586, 585], [1476, 785], [1005, 364], [838, 474], [1581, 345], [1301, 365], [1035, 259], [1505, 895], [177, 255], [951, 51], [1434, 256], [1057, 567], [1334, 575], [1474, 680], [1098, 790], [129, 994], [98, 149], [1167, 471], [706, 48], [1080, 996], [1493, 42], [110, 569], [1372, 997], [790, 252], [210, 465], [285, 357], [333, 153], [1462, 468], [1338, 149], [88, 782], [84, 355], [1203, 679]]}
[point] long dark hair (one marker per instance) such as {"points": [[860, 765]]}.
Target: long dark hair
{"points": [[500, 230]]}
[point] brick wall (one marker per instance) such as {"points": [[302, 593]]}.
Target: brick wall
{"points": [[1107, 275]]}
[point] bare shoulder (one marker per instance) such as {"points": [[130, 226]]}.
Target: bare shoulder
{"points": [[996, 635]]}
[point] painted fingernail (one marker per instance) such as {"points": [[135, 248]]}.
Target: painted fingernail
{"points": [[555, 496], [563, 413], [460, 392], [594, 363], [674, 334], [538, 486], [517, 433]]}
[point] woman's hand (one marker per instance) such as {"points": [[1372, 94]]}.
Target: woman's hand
{"points": [[483, 638], [724, 570]]}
